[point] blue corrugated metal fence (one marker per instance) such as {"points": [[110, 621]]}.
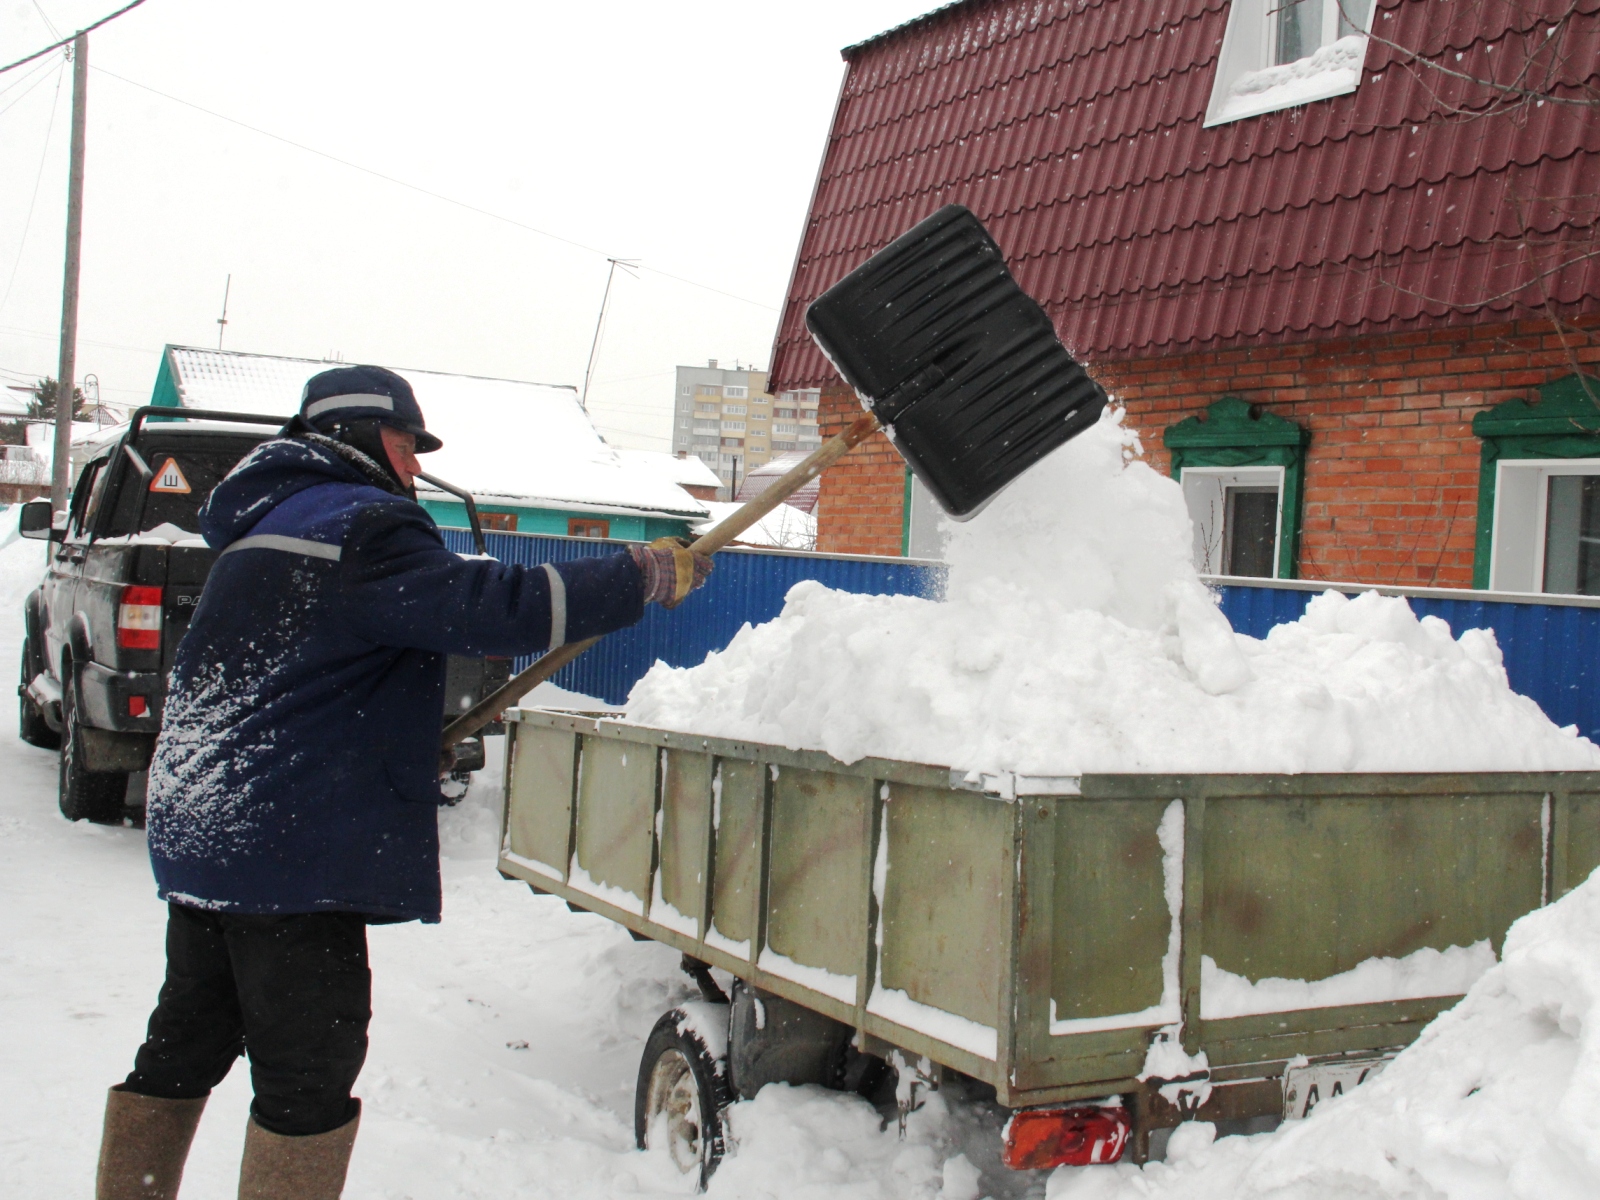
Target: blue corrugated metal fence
{"points": [[747, 586], [1552, 650]]}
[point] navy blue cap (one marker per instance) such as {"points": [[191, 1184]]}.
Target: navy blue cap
{"points": [[362, 393]]}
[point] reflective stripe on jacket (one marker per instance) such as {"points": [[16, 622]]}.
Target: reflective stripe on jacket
{"points": [[296, 769]]}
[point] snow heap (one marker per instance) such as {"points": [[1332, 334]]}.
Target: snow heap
{"points": [[1075, 636], [1499, 1099]]}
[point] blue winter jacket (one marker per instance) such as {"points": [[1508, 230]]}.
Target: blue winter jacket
{"points": [[297, 767]]}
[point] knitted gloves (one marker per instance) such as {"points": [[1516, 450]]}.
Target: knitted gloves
{"points": [[670, 569]]}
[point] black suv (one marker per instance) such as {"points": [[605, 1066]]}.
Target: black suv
{"points": [[125, 574]]}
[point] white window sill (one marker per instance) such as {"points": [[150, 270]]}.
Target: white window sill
{"points": [[1334, 70]]}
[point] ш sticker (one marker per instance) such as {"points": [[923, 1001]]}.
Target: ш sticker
{"points": [[170, 478]]}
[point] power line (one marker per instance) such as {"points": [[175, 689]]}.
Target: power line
{"points": [[473, 208], [42, 69], [22, 243], [51, 337], [45, 17], [33, 81], [67, 41]]}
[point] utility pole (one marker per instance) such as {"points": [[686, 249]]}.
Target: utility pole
{"points": [[627, 264], [67, 366], [222, 321]]}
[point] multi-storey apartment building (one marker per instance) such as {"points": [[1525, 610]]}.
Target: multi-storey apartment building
{"points": [[725, 417]]}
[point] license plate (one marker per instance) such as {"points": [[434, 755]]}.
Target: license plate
{"points": [[1306, 1087]]}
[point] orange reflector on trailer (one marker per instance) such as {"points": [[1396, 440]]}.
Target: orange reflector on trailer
{"points": [[1038, 1138]]}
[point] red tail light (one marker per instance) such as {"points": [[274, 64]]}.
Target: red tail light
{"points": [[1038, 1138], [139, 619]]}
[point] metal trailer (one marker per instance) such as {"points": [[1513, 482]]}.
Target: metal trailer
{"points": [[1034, 935]]}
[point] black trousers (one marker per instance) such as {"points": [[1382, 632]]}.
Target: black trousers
{"points": [[292, 992]]}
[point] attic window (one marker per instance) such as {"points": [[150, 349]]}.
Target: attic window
{"points": [[1279, 54]]}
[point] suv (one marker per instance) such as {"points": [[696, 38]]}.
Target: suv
{"points": [[124, 578]]}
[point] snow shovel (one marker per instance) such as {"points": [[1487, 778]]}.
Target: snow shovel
{"points": [[954, 361]]}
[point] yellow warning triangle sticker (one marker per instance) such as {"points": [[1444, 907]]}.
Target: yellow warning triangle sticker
{"points": [[170, 478]]}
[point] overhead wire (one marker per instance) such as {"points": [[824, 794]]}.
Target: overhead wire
{"points": [[67, 41], [45, 17], [32, 81], [14, 331], [418, 188], [44, 154]]}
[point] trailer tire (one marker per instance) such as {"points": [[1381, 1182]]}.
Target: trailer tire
{"points": [[31, 724], [82, 793], [681, 1094]]}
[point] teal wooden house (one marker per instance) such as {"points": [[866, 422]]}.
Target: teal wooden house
{"points": [[527, 452]]}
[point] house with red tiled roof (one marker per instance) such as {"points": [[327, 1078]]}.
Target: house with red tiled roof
{"points": [[1337, 258]]}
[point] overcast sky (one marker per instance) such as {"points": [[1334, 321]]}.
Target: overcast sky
{"points": [[686, 135]]}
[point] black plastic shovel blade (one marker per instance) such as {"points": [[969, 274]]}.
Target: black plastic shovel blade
{"points": [[961, 365]]}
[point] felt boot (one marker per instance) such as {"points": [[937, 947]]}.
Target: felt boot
{"points": [[295, 1168], [144, 1146]]}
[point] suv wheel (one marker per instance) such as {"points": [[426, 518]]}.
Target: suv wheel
{"points": [[95, 795], [31, 725]]}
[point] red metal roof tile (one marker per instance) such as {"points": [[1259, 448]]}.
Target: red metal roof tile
{"points": [[1073, 128]]}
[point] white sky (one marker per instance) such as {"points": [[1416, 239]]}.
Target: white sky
{"points": [[684, 134]]}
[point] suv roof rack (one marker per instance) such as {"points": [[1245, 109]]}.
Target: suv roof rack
{"points": [[198, 414]]}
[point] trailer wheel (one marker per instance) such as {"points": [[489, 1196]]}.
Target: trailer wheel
{"points": [[82, 793], [31, 724], [682, 1091]]}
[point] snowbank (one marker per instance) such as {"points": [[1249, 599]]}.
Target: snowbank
{"points": [[1075, 636], [1498, 1099]]}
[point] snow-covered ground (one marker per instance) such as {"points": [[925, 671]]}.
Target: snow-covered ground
{"points": [[505, 1041], [505, 1044]]}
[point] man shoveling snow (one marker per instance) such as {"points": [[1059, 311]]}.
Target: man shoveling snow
{"points": [[294, 789]]}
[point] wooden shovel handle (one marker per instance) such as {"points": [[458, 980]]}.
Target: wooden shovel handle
{"points": [[488, 710]]}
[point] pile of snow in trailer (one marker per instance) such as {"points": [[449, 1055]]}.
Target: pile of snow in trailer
{"points": [[1075, 637]]}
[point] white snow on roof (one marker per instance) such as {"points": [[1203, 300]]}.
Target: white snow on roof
{"points": [[513, 441], [785, 527], [689, 471]]}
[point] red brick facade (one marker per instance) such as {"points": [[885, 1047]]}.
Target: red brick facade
{"points": [[1391, 480]]}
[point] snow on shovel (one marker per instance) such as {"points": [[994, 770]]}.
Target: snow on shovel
{"points": [[954, 361]]}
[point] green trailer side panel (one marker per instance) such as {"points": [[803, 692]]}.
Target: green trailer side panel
{"points": [[817, 885], [1111, 924], [736, 874], [616, 814], [950, 866], [540, 821], [1582, 842], [1309, 886], [685, 825]]}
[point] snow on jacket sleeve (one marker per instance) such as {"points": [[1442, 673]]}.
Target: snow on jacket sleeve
{"points": [[400, 586]]}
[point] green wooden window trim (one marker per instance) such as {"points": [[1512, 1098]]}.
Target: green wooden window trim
{"points": [[905, 519], [1232, 434], [1563, 423]]}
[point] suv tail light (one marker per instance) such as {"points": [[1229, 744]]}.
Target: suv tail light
{"points": [[139, 619], [1038, 1138]]}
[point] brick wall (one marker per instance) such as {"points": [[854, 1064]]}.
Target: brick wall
{"points": [[860, 505], [1391, 479]]}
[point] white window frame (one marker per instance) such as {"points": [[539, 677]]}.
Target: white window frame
{"points": [[732, 425], [1521, 511], [927, 534], [1207, 488], [1247, 82], [732, 391]]}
